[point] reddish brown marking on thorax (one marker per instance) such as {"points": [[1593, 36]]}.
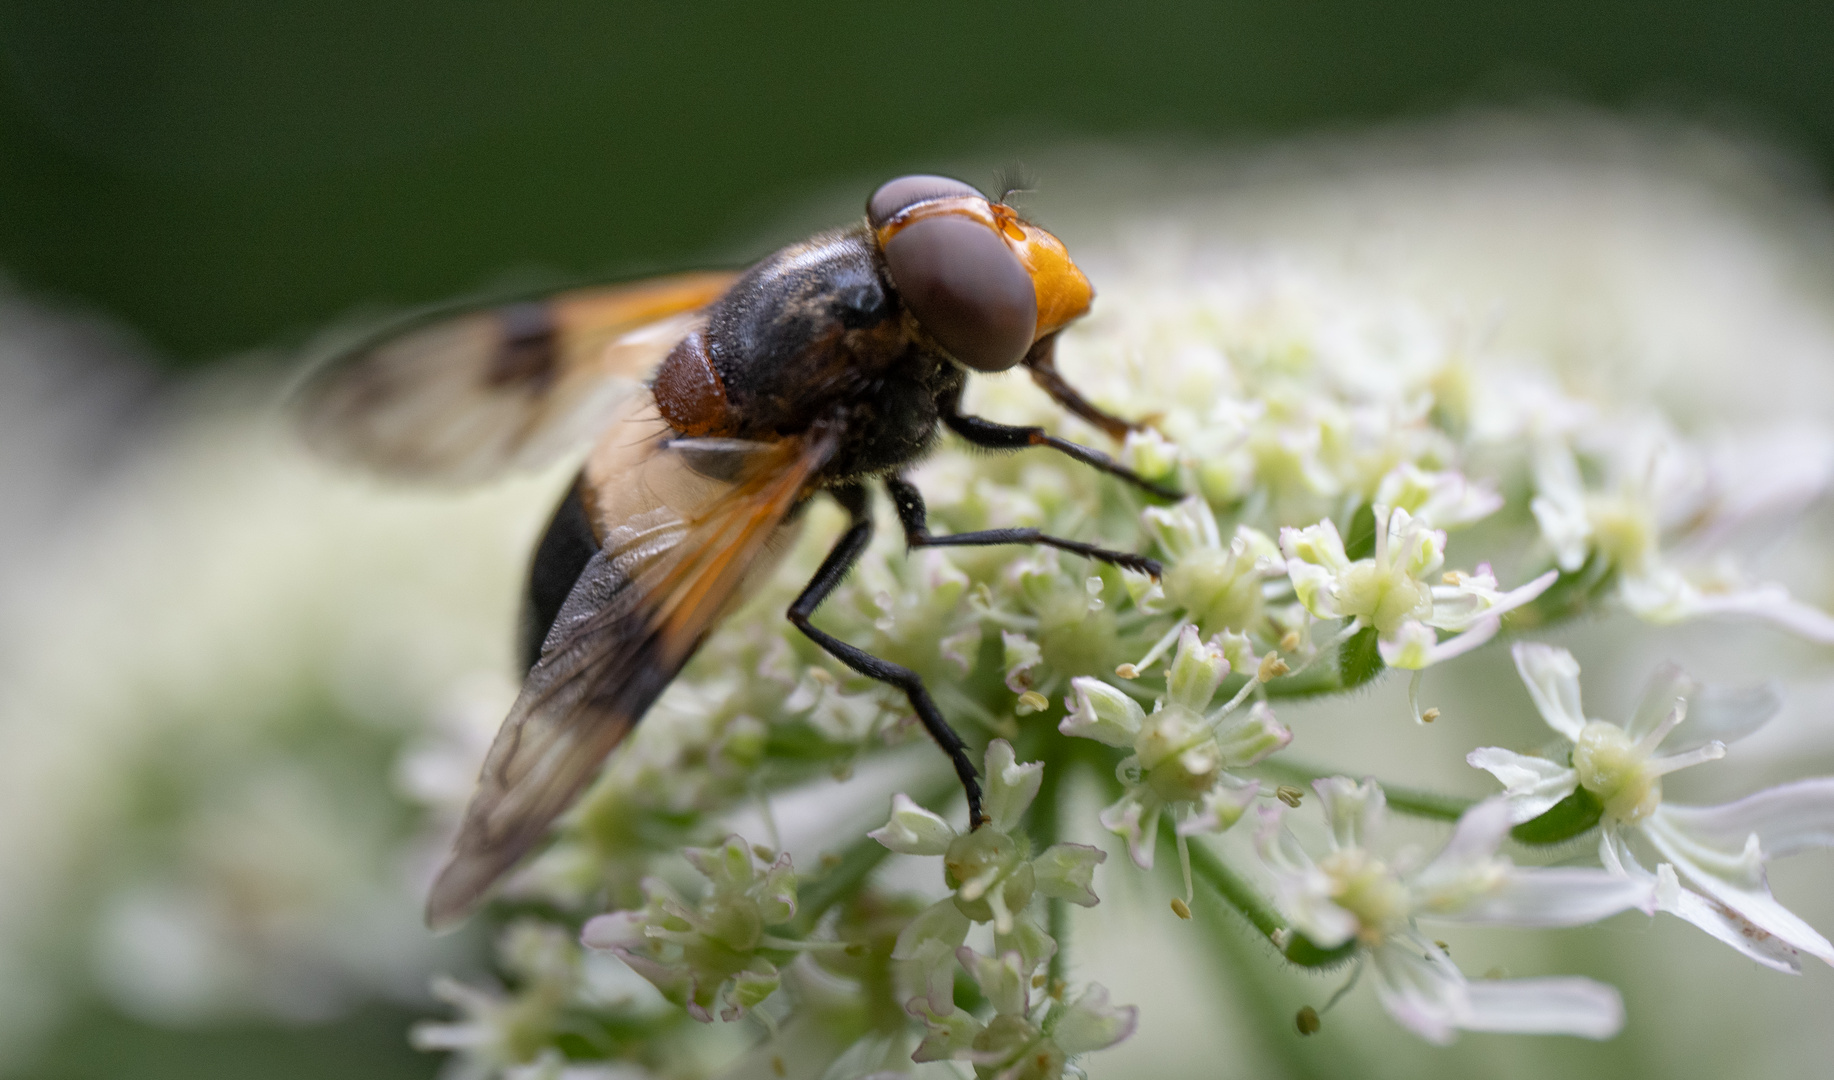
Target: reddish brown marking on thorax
{"points": [[689, 393]]}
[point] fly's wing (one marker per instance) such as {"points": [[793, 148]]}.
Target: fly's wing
{"points": [[463, 397], [695, 518]]}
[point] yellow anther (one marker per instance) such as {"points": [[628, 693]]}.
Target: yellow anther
{"points": [[1272, 667], [1289, 795], [1180, 908]]}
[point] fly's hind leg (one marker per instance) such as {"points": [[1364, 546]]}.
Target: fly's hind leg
{"points": [[915, 519], [840, 560]]}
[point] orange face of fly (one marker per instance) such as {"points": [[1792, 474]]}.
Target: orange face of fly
{"points": [[985, 284]]}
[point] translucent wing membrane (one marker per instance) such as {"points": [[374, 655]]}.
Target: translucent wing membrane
{"points": [[465, 397], [684, 527]]}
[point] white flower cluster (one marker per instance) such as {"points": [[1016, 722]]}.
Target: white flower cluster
{"points": [[1367, 491], [1373, 479]]}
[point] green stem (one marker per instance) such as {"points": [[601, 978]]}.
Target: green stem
{"points": [[1404, 800], [1046, 826]]}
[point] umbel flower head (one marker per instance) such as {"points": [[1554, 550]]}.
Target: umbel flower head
{"points": [[1183, 752], [991, 871], [1334, 423], [1612, 776], [1393, 591], [1355, 893], [707, 955], [1030, 1036]]}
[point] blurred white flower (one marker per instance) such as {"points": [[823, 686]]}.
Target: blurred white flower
{"points": [[1353, 894], [707, 955], [1664, 513], [1720, 850], [1030, 1036]]}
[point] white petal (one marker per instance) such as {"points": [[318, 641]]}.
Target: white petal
{"points": [[1414, 646], [1090, 1023], [1473, 842], [1754, 904], [1561, 896], [1475, 598], [1066, 871], [1196, 671], [1531, 785], [1564, 1006], [1000, 979], [1715, 713], [940, 922], [1552, 677], [1101, 712], [1135, 816], [1559, 504], [1420, 988], [1723, 714], [1356, 811], [1665, 597], [1726, 925], [1787, 818], [913, 830], [1011, 787], [1666, 684]]}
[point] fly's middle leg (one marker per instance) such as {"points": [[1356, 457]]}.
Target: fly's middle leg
{"points": [[840, 560]]}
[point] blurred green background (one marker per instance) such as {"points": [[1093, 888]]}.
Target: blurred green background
{"points": [[224, 176]]}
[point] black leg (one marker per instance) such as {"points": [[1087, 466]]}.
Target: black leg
{"points": [[1042, 363], [846, 552], [914, 518], [992, 436]]}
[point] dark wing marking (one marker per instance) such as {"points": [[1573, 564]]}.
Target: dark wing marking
{"points": [[464, 397], [687, 539]]}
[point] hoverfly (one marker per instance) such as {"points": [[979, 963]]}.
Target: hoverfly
{"points": [[831, 364]]}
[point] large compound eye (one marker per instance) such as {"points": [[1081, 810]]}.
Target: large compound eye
{"points": [[966, 288], [905, 192]]}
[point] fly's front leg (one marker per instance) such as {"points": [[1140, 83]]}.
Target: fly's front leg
{"points": [[993, 436], [1042, 363], [915, 519], [846, 552]]}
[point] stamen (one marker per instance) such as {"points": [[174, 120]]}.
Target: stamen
{"points": [[1324, 647], [1647, 744], [1232, 704], [1184, 863], [1382, 516], [1158, 649], [1355, 974], [1713, 751]]}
